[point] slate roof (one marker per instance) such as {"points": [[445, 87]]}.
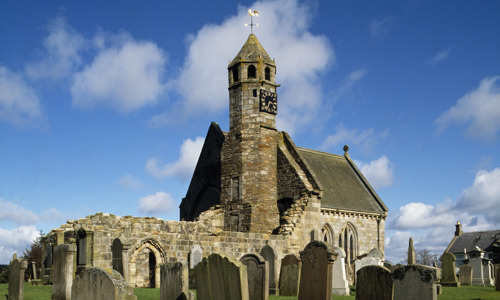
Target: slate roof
{"points": [[252, 50], [343, 185], [468, 240]]}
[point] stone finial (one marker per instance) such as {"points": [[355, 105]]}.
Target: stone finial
{"points": [[346, 149]]}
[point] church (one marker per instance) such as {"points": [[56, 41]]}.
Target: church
{"points": [[253, 191]]}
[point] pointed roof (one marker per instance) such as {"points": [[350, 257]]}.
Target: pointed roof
{"points": [[252, 50]]}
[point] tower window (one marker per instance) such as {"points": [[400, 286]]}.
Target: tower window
{"points": [[255, 93], [235, 189], [235, 74], [252, 71], [268, 74]]}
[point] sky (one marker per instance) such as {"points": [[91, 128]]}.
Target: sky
{"points": [[104, 105]]}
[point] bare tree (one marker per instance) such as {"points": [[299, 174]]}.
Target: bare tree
{"points": [[425, 257]]}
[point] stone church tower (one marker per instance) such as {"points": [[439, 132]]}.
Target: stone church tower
{"points": [[248, 156]]}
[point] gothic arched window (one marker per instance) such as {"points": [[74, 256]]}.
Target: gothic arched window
{"points": [[327, 234], [348, 240], [252, 72]]}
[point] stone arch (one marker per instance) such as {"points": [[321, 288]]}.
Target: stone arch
{"points": [[251, 72], [268, 253], [145, 258], [327, 234], [348, 241]]}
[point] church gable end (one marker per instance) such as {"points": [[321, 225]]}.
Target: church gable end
{"points": [[204, 189]]}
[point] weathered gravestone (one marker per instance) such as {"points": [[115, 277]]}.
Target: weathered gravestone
{"points": [[465, 275], [374, 258], [62, 271], [101, 284], [415, 282], [195, 257], [340, 285], [268, 253], [219, 277], [290, 275], [411, 253], [448, 275], [47, 263], [389, 266], [16, 278], [257, 275], [174, 281], [374, 283], [316, 271]]}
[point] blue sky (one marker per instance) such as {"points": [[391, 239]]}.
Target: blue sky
{"points": [[105, 105]]}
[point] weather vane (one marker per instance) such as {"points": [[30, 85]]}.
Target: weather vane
{"points": [[252, 14]]}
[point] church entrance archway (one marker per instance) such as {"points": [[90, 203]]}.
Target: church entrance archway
{"points": [[145, 259]]}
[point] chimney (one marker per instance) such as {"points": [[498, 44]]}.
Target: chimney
{"points": [[458, 229]]}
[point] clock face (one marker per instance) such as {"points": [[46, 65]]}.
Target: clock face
{"points": [[268, 102]]}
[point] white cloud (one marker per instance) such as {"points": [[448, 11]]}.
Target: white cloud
{"points": [[300, 58], [184, 167], [130, 182], [483, 196], [379, 172], [125, 75], [158, 203], [366, 139], [19, 104], [380, 27], [62, 52], [441, 56], [15, 241], [22, 216], [479, 108], [432, 226]]}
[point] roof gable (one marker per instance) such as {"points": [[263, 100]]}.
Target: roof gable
{"points": [[343, 185], [468, 240]]}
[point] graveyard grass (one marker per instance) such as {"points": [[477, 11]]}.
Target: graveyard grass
{"points": [[41, 292]]}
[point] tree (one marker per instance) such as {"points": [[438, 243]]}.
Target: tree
{"points": [[4, 273], [425, 257], [33, 254]]}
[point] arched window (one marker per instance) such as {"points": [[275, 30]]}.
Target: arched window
{"points": [[327, 234], [235, 74], [252, 72], [268, 74], [348, 240]]}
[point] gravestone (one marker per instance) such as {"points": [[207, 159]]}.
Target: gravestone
{"points": [[374, 283], [488, 273], [101, 284], [374, 258], [268, 253], [448, 272], [415, 282], [174, 281], [195, 256], [220, 277], [340, 285], [47, 263], [389, 266], [289, 275], [257, 275], [465, 275], [316, 271], [411, 253], [63, 270], [16, 278]]}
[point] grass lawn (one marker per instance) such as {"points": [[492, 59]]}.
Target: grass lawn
{"points": [[41, 292]]}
